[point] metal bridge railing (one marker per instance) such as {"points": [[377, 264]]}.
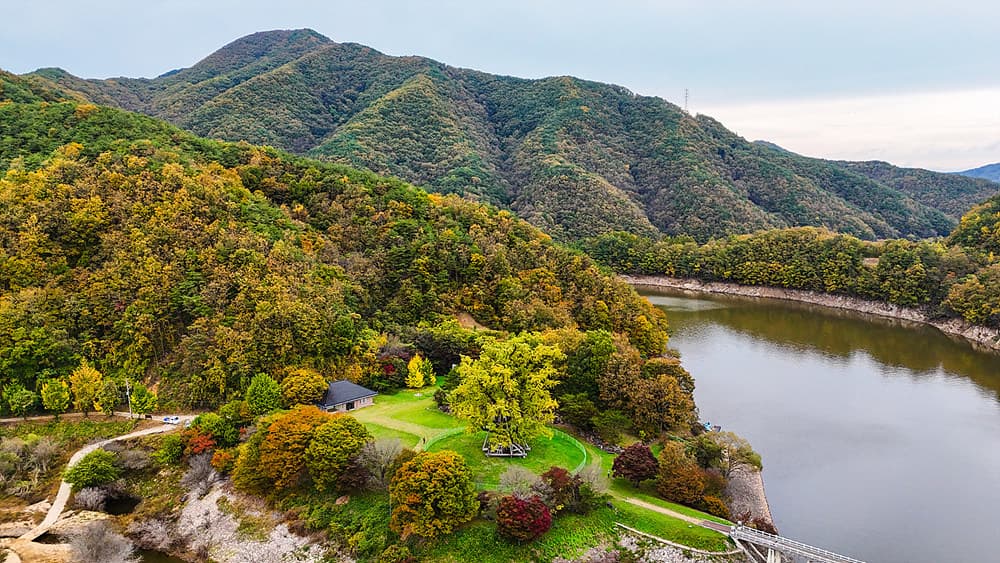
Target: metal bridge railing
{"points": [[740, 532]]}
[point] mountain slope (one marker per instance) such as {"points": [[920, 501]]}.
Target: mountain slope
{"points": [[577, 158], [989, 172], [194, 264]]}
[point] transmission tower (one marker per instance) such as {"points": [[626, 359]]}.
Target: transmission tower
{"points": [[686, 95]]}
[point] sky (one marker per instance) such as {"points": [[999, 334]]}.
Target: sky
{"points": [[915, 83]]}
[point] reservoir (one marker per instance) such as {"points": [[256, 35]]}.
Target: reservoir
{"points": [[880, 439]]}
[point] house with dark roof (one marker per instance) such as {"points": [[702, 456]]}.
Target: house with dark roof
{"points": [[343, 396]]}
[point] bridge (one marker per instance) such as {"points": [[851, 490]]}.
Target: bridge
{"points": [[774, 545]]}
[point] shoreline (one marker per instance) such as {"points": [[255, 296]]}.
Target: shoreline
{"points": [[980, 337]]}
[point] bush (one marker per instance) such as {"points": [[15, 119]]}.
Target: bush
{"points": [[303, 387], [222, 431], [223, 461], [523, 519], [636, 463], [98, 542], [396, 553], [263, 394], [432, 494], [679, 478], [91, 498], [714, 506], [610, 424], [95, 469], [197, 442], [334, 444], [170, 451]]}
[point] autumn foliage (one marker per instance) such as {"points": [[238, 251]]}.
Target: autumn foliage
{"points": [[283, 451], [636, 464], [679, 478], [523, 519], [432, 494]]}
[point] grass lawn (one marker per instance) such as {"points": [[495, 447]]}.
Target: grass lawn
{"points": [[562, 450], [413, 417]]}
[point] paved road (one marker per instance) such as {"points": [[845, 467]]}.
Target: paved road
{"points": [[65, 488]]}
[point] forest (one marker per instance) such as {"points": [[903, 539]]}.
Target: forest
{"points": [[573, 157], [152, 256], [957, 276]]}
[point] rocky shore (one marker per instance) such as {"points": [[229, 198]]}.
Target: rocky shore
{"points": [[981, 337]]}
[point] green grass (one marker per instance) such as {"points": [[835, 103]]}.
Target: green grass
{"points": [[383, 432], [675, 530], [561, 450], [569, 537], [412, 416]]}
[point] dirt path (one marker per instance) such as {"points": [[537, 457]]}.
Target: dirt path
{"points": [[65, 488], [656, 508]]}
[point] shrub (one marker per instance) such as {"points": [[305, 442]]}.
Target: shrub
{"points": [[98, 542], [303, 387], [714, 506], [222, 431], [197, 442], [562, 486], [55, 396], [377, 457], [95, 469], [518, 481], [333, 445], [577, 409], [283, 451], [636, 463], [91, 498], [679, 478], [263, 394], [610, 424], [523, 519], [170, 451], [223, 461], [396, 553], [432, 494]]}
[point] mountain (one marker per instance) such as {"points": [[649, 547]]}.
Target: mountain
{"points": [[989, 172], [194, 264], [574, 157]]}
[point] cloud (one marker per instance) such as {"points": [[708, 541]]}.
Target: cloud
{"points": [[948, 131]]}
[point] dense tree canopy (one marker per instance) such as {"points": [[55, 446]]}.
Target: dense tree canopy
{"points": [[506, 391], [432, 494]]}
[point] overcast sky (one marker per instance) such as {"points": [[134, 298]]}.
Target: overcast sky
{"points": [[913, 82]]}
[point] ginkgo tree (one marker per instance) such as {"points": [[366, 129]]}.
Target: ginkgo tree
{"points": [[506, 392]]}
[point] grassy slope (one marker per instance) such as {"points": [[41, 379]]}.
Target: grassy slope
{"points": [[412, 416]]}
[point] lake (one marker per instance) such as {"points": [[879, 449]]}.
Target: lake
{"points": [[880, 439]]}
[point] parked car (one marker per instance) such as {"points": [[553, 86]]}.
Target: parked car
{"points": [[171, 420]]}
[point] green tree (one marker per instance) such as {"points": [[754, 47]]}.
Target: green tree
{"points": [[303, 387], [108, 397], [19, 399], [420, 372], [432, 494], [506, 390], [85, 383], [142, 399], [55, 396], [263, 394], [95, 469], [333, 446], [223, 432]]}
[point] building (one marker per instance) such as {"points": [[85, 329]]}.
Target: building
{"points": [[343, 396]]}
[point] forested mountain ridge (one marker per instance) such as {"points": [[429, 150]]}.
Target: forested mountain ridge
{"points": [[989, 172], [195, 264], [574, 157]]}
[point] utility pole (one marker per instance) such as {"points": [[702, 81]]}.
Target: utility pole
{"points": [[128, 397]]}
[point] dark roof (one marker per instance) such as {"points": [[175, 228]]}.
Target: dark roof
{"points": [[344, 391]]}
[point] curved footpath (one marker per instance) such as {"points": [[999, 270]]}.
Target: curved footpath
{"points": [[979, 336], [65, 488]]}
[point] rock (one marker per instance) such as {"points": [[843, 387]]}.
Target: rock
{"points": [[38, 508]]}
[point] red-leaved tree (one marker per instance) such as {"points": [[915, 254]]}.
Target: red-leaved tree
{"points": [[523, 519], [636, 464]]}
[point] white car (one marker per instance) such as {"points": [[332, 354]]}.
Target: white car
{"points": [[171, 420]]}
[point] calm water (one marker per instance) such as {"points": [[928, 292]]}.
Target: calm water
{"points": [[880, 440]]}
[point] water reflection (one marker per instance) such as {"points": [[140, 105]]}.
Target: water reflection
{"points": [[837, 334]]}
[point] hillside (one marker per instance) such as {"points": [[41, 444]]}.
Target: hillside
{"points": [[574, 157], [195, 264], [989, 172]]}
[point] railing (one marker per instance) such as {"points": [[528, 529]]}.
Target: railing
{"points": [[785, 545]]}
